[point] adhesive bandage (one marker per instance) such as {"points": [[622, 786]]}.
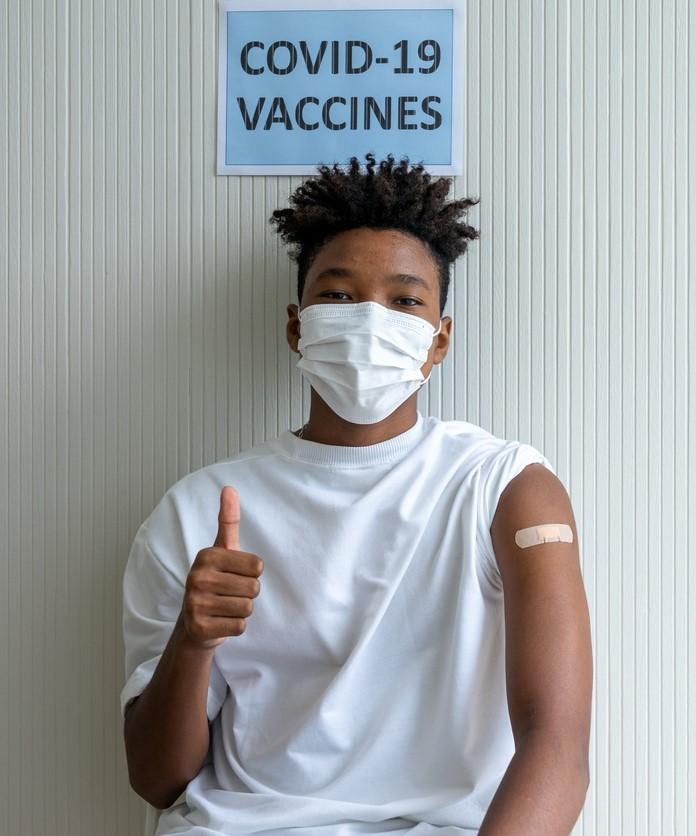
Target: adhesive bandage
{"points": [[548, 533]]}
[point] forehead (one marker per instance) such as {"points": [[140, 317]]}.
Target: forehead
{"points": [[379, 251]]}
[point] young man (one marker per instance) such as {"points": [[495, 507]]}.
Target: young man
{"points": [[418, 658]]}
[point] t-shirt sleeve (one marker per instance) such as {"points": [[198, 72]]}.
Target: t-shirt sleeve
{"points": [[152, 598], [496, 472]]}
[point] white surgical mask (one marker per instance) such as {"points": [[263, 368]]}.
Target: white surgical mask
{"points": [[363, 358]]}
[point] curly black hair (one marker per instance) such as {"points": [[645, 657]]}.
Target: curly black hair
{"points": [[393, 197]]}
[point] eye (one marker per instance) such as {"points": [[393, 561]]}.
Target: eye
{"points": [[400, 300]]}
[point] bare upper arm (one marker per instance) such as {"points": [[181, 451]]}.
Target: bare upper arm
{"points": [[548, 651], [126, 713]]}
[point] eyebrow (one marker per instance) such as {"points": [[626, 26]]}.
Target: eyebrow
{"points": [[345, 272]]}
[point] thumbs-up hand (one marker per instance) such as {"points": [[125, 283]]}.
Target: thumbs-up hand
{"points": [[221, 582]]}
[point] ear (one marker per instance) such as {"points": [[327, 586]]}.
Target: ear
{"points": [[293, 327], [441, 343]]}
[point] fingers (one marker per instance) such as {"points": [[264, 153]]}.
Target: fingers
{"points": [[228, 519]]}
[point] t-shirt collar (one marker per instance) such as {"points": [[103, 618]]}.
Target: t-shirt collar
{"points": [[337, 455]]}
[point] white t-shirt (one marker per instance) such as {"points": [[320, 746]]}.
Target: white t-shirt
{"points": [[367, 693]]}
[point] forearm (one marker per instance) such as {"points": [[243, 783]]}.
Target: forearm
{"points": [[542, 792], [166, 730]]}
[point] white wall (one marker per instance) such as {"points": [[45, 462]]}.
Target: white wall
{"points": [[142, 331]]}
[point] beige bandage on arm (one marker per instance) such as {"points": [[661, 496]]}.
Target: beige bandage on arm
{"points": [[547, 533]]}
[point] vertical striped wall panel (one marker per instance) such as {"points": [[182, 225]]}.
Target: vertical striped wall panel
{"points": [[142, 320]]}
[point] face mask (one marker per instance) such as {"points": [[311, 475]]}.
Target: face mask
{"points": [[362, 358]]}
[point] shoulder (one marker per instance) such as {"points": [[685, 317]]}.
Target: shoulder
{"points": [[482, 451], [186, 516], [506, 465], [210, 479]]}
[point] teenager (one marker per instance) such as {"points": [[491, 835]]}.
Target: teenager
{"points": [[350, 627]]}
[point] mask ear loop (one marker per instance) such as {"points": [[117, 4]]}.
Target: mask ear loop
{"points": [[426, 379]]}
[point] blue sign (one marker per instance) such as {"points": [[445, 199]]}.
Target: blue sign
{"points": [[301, 84]]}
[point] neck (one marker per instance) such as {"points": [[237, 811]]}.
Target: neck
{"points": [[325, 427]]}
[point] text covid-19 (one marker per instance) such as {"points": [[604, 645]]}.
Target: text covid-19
{"points": [[337, 113]]}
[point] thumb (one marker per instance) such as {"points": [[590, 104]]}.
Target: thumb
{"points": [[228, 519]]}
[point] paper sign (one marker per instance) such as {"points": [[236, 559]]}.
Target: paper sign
{"points": [[311, 82]]}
